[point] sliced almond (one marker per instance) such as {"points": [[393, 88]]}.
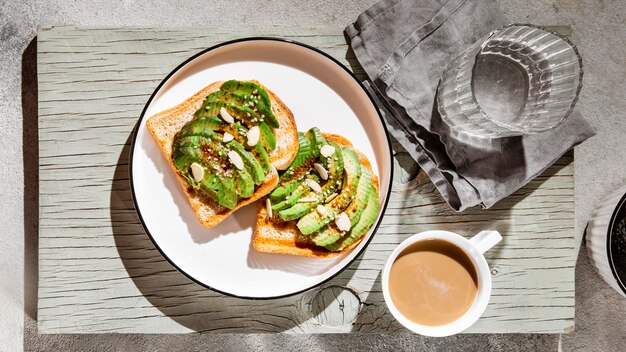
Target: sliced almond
{"points": [[313, 185], [268, 205], [197, 171], [343, 222], [227, 137], [330, 197], [321, 171], [322, 210], [327, 150], [235, 159], [253, 136], [307, 200], [226, 116]]}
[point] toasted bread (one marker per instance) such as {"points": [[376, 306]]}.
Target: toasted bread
{"points": [[285, 237], [164, 125]]}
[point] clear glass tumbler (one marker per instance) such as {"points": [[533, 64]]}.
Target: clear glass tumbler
{"points": [[520, 80]]}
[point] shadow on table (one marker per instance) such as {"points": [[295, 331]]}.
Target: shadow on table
{"points": [[176, 295], [375, 317]]}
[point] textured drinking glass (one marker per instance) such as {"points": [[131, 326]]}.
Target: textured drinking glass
{"points": [[520, 80]]}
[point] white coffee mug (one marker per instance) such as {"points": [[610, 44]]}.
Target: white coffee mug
{"points": [[474, 248]]}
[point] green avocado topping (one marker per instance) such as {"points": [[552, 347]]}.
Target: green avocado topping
{"points": [[328, 192], [217, 153]]}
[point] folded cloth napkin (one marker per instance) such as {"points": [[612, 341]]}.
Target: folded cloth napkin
{"points": [[404, 46]]}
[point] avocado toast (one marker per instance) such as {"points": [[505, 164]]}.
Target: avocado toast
{"points": [[225, 144], [325, 203]]}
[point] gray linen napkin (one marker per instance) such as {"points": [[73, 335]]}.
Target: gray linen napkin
{"points": [[404, 46]]}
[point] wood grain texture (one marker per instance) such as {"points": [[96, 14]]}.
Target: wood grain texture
{"points": [[99, 272]]}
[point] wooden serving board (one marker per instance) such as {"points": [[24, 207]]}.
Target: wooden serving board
{"points": [[99, 272]]}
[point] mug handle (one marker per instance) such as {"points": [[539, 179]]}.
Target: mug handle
{"points": [[484, 240]]}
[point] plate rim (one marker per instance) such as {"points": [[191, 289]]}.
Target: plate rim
{"points": [[217, 46]]}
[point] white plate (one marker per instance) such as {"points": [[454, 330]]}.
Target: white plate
{"points": [[320, 92]]}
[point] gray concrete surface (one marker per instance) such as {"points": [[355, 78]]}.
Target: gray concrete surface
{"points": [[599, 32]]}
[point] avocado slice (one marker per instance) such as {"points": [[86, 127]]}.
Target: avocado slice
{"points": [[220, 189], [244, 185], [331, 233], [317, 140], [267, 137], [295, 195], [309, 147], [256, 92], [308, 151], [261, 155], [241, 98], [304, 154], [365, 222], [295, 178], [245, 108], [314, 221], [295, 173], [202, 127], [258, 151], [246, 87], [243, 180], [240, 112], [252, 165], [335, 171], [184, 155], [189, 149]]}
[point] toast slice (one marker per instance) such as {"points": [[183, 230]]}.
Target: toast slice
{"points": [[285, 238], [164, 125]]}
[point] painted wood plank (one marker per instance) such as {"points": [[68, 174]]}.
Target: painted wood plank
{"points": [[99, 271]]}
